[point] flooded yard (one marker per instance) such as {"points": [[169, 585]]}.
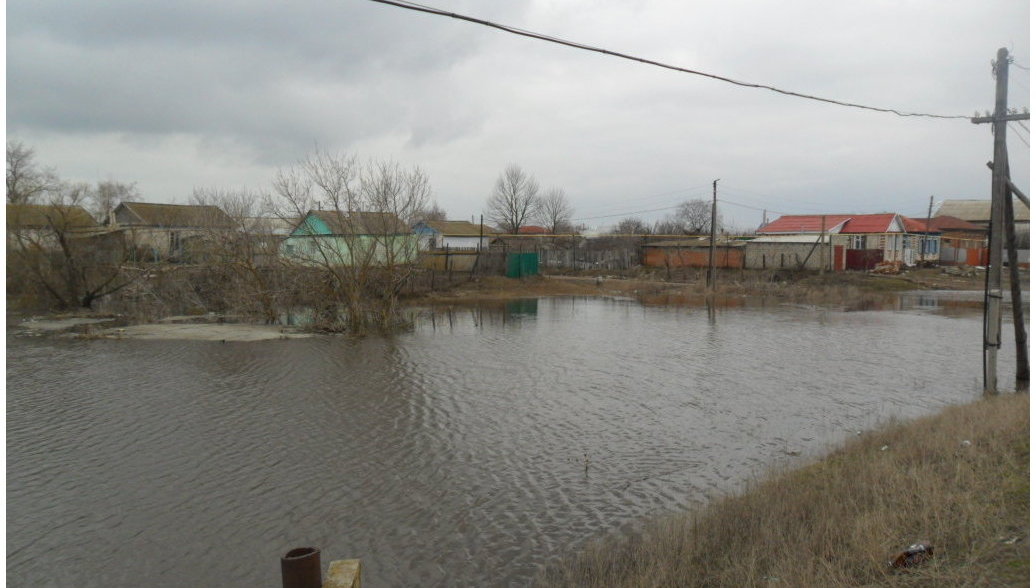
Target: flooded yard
{"points": [[469, 451]]}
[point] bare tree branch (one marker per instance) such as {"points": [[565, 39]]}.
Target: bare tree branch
{"points": [[515, 199], [26, 181], [555, 211]]}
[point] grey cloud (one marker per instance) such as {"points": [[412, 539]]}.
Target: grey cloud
{"points": [[267, 81]]}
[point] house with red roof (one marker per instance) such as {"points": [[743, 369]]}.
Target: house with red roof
{"points": [[960, 242], [532, 230], [865, 240]]}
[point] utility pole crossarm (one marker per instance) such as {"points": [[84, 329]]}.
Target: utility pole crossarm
{"points": [[978, 120]]}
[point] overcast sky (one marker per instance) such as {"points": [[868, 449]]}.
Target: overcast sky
{"points": [[190, 94]]}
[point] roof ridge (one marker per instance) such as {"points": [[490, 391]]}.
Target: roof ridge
{"points": [[136, 202]]}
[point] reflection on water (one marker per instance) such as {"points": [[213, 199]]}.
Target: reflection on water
{"points": [[468, 451], [522, 308]]}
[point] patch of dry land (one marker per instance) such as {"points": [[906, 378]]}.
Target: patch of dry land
{"points": [[172, 328], [204, 332], [655, 287]]}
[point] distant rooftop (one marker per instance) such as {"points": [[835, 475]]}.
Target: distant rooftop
{"points": [[977, 211]]}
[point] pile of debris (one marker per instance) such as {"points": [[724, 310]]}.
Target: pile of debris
{"points": [[962, 270], [888, 268]]}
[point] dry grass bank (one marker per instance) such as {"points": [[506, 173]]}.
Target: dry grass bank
{"points": [[835, 522], [650, 287]]}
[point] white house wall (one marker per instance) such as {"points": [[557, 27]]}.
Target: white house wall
{"points": [[463, 242]]}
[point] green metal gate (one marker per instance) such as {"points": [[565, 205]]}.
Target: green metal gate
{"points": [[520, 265]]}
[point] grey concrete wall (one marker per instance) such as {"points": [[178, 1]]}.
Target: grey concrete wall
{"points": [[769, 255]]}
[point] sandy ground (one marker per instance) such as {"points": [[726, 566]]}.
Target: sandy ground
{"points": [[55, 324], [205, 332], [167, 329]]}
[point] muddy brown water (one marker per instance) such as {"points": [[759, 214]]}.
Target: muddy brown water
{"points": [[470, 451]]}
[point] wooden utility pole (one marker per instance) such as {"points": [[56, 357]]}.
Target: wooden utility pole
{"points": [[994, 282], [711, 281], [823, 247], [1021, 345], [927, 227]]}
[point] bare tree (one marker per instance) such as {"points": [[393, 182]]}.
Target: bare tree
{"points": [[695, 217], [57, 248], [369, 253], [555, 212], [243, 254], [631, 226], [108, 194], [515, 199], [392, 194], [433, 212], [27, 182], [668, 226]]}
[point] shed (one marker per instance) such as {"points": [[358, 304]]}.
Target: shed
{"points": [[455, 234], [166, 228]]}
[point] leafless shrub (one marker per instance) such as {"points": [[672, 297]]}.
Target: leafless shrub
{"points": [[353, 231], [58, 257]]}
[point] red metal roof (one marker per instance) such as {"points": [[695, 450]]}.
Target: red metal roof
{"points": [[532, 230], [803, 223], [949, 223], [810, 223], [869, 223], [918, 225]]}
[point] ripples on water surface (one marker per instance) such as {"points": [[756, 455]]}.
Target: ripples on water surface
{"points": [[467, 452]]}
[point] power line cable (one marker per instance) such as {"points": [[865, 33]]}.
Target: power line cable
{"points": [[643, 200], [736, 189], [1019, 84], [1020, 137], [631, 213], [1018, 65], [1021, 124], [517, 31]]}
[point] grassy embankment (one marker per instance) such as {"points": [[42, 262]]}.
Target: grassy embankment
{"points": [[650, 286], [836, 522]]}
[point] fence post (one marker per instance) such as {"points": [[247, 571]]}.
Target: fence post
{"points": [[449, 268]]}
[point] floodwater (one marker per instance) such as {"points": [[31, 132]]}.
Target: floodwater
{"points": [[467, 452]]}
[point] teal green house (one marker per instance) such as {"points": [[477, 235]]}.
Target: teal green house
{"points": [[331, 237]]}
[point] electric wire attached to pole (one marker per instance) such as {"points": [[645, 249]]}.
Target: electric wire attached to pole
{"points": [[575, 45]]}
